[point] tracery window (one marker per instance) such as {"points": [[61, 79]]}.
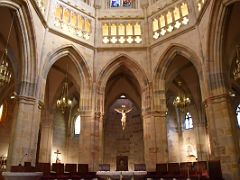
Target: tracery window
{"points": [[121, 3], [77, 125], [188, 123], [238, 115], [1, 112]]}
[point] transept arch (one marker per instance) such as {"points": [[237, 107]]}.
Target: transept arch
{"points": [[82, 68], [165, 60], [28, 80], [215, 65], [112, 66]]}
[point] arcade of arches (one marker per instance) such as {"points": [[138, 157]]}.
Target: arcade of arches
{"points": [[138, 54]]}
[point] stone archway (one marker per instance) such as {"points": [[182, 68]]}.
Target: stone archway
{"points": [[80, 88], [25, 85], [218, 80], [119, 68]]}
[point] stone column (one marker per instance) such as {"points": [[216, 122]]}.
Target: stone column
{"points": [[24, 133], [46, 139], [155, 139], [223, 135], [86, 140], [202, 141]]}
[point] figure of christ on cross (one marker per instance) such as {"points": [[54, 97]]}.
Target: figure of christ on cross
{"points": [[123, 110], [57, 159]]}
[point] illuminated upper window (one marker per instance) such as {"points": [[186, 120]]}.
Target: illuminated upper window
{"points": [[77, 125], [238, 115], [121, 3], [1, 112], [188, 123]]}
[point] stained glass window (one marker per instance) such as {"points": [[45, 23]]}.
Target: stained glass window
{"points": [[121, 3], [238, 115], [115, 3], [188, 123], [77, 125]]}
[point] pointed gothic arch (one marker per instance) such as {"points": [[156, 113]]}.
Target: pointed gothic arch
{"points": [[81, 66], [215, 42], [28, 80]]}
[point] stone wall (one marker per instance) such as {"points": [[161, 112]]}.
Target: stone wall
{"points": [[128, 142]]}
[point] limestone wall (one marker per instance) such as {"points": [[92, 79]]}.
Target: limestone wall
{"points": [[128, 142]]}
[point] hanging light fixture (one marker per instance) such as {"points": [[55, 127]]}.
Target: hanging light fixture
{"points": [[181, 101], [5, 73], [64, 102], [236, 71]]}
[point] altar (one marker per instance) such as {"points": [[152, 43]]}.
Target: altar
{"points": [[121, 174], [22, 175]]}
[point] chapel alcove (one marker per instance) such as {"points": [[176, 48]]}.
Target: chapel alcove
{"points": [[9, 90], [123, 90], [186, 126], [57, 126]]}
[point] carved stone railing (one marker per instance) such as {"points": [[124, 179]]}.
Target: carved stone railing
{"points": [[170, 19], [128, 32], [71, 21], [200, 4], [42, 5]]}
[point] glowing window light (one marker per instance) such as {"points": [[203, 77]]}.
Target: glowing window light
{"points": [[105, 30], [113, 30], [155, 25], [121, 30], [122, 40], [137, 30], [177, 25], [113, 40], [163, 32], [130, 39], [129, 29], [87, 26], [238, 115], [77, 125], [162, 21], [188, 123], [138, 39], [156, 35], [58, 12], [66, 16], [1, 112], [74, 20], [105, 40], [176, 13], [169, 17], [80, 22], [185, 21], [184, 9]]}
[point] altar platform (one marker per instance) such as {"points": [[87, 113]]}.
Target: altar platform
{"points": [[22, 175], [121, 174]]}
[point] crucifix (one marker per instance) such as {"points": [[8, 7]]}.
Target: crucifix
{"points": [[57, 153], [123, 110]]}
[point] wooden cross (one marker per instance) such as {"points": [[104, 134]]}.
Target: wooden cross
{"points": [[57, 153]]}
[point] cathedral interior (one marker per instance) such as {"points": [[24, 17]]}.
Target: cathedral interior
{"points": [[86, 81]]}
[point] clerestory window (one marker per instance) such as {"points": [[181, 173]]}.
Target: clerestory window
{"points": [[121, 3], [188, 123], [77, 125], [238, 115]]}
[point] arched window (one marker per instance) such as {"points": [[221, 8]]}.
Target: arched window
{"points": [[77, 125], [238, 115], [1, 112], [188, 123]]}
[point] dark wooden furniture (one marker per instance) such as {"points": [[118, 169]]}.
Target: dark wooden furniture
{"points": [[122, 163], [104, 167]]}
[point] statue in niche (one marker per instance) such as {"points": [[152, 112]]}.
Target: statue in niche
{"points": [[123, 110]]}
